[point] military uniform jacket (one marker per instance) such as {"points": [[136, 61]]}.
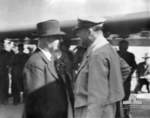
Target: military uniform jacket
{"points": [[99, 80]]}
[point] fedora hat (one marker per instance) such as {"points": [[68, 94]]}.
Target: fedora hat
{"points": [[49, 28], [85, 24], [146, 55]]}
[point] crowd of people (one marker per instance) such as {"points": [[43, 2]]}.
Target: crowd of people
{"points": [[89, 81], [11, 74]]}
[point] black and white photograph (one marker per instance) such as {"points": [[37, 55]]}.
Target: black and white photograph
{"points": [[74, 58]]}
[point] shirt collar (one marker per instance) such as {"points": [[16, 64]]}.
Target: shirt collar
{"points": [[99, 42], [47, 54]]}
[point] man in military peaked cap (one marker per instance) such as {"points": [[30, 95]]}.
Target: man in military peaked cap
{"points": [[84, 24], [47, 93], [82, 31], [99, 81]]}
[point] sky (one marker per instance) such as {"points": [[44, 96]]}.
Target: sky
{"points": [[24, 13]]}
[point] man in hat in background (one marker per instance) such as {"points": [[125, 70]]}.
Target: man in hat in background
{"points": [[99, 82], [47, 93], [143, 73]]}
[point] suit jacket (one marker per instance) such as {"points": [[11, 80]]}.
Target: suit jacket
{"points": [[46, 94], [99, 81]]}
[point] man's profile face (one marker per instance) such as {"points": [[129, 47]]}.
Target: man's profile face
{"points": [[84, 34], [52, 43]]}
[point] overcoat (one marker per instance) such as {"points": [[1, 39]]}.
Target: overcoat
{"points": [[47, 96], [99, 81]]}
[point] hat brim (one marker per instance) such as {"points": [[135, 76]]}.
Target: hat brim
{"points": [[60, 33], [77, 28]]}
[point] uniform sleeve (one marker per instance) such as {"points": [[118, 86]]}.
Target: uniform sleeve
{"points": [[33, 78], [97, 85]]}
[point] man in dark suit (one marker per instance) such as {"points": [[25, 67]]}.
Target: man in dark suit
{"points": [[47, 92], [130, 59]]}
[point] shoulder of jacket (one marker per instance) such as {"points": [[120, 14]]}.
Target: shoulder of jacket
{"points": [[35, 61], [104, 51]]}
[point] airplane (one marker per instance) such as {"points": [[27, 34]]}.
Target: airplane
{"points": [[19, 18], [121, 25]]}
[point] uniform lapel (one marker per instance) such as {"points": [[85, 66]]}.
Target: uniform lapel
{"points": [[85, 59], [84, 63]]}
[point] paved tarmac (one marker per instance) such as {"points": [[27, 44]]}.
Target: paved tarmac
{"points": [[11, 111], [142, 108], [137, 110]]}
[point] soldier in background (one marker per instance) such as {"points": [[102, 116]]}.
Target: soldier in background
{"points": [[67, 56], [18, 63], [143, 74], [130, 59], [5, 64]]}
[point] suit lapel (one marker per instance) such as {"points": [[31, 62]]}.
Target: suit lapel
{"points": [[50, 65]]}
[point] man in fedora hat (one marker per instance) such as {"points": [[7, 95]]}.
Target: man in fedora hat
{"points": [[143, 73], [47, 92], [99, 81]]}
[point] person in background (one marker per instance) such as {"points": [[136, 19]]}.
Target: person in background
{"points": [[125, 72], [143, 74], [99, 83], [47, 91], [64, 63], [67, 56], [18, 63], [5, 65], [130, 59]]}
